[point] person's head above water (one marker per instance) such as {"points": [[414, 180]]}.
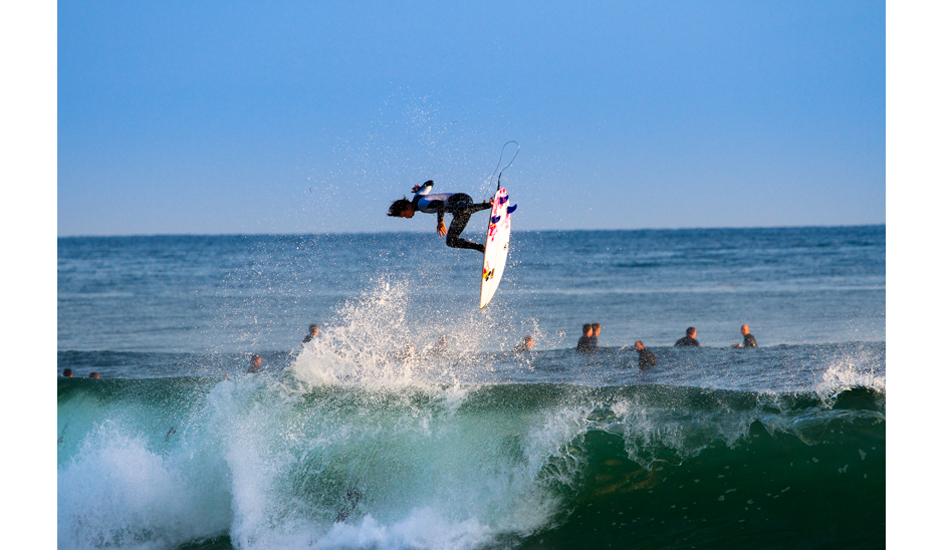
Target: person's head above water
{"points": [[638, 345], [691, 332], [744, 329], [314, 330], [588, 330], [526, 344], [255, 366]]}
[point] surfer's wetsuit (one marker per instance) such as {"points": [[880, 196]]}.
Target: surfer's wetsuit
{"points": [[748, 341], [687, 341], [459, 205], [585, 344], [647, 359]]}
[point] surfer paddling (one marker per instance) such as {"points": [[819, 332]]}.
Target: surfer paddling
{"points": [[459, 205]]}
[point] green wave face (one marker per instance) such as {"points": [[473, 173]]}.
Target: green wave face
{"points": [[262, 462]]}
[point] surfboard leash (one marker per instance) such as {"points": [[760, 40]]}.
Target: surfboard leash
{"points": [[500, 157]]}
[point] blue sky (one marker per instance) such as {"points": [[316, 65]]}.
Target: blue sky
{"points": [[298, 117]]}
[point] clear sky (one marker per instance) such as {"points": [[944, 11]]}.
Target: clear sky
{"points": [[299, 117]]}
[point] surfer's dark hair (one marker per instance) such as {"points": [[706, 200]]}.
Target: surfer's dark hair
{"points": [[398, 206], [690, 331], [586, 328]]}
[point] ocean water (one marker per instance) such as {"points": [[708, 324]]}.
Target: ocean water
{"points": [[373, 437]]}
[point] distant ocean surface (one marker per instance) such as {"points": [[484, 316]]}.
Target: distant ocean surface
{"points": [[372, 437]]}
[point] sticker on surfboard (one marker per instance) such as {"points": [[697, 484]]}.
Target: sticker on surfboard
{"points": [[496, 245]]}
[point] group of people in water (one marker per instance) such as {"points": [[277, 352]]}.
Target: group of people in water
{"points": [[68, 373], [588, 343]]}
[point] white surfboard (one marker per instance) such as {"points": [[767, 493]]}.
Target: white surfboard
{"points": [[496, 245]]}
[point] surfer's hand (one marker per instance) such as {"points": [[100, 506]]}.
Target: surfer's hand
{"points": [[416, 188], [441, 229]]}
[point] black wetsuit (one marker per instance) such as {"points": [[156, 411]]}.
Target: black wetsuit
{"points": [[459, 205], [748, 341], [585, 344], [687, 341], [462, 207], [647, 359]]}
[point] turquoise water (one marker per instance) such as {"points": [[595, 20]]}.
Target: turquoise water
{"points": [[353, 443]]}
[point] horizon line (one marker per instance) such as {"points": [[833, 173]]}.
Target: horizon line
{"points": [[295, 234]]}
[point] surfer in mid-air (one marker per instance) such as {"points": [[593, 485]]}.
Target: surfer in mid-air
{"points": [[459, 205]]}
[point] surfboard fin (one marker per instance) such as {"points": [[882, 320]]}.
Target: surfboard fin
{"points": [[512, 208]]}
